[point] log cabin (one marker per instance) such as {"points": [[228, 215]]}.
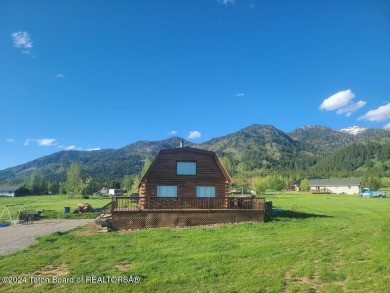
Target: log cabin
{"points": [[184, 187], [185, 173]]}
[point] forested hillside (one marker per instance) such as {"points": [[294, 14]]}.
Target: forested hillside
{"points": [[254, 150], [358, 159], [102, 165], [260, 149], [322, 141]]}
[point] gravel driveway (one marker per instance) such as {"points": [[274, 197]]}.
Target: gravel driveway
{"points": [[13, 238]]}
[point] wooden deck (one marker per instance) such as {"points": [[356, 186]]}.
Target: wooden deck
{"points": [[150, 212], [321, 191]]}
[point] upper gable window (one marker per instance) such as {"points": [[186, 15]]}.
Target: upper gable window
{"points": [[186, 168]]}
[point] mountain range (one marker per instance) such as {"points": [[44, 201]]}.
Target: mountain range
{"points": [[259, 149]]}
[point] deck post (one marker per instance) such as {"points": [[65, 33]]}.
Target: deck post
{"points": [[114, 204]]}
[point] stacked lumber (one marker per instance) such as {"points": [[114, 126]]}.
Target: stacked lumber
{"points": [[104, 222]]}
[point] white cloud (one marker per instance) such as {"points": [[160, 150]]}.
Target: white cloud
{"points": [[41, 141], [349, 109], [93, 149], [194, 134], [387, 126], [10, 140], [60, 75], [49, 142], [240, 94], [226, 2], [172, 132], [337, 100], [380, 114], [22, 39], [46, 141], [341, 102]]}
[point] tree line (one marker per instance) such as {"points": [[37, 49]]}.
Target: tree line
{"points": [[79, 183]]}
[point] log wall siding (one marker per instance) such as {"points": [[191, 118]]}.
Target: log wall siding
{"points": [[163, 172]]}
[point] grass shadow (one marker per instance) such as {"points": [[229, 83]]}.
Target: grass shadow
{"points": [[278, 214]]}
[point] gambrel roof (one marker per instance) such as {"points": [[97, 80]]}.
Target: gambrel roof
{"points": [[212, 155]]}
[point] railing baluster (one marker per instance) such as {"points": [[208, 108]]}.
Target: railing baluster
{"points": [[187, 203]]}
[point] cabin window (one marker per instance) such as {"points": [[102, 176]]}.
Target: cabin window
{"points": [[166, 191], [186, 168], [205, 191]]}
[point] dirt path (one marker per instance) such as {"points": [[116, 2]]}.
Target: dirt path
{"points": [[13, 238]]}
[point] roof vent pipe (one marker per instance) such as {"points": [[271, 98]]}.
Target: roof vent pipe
{"points": [[181, 144]]}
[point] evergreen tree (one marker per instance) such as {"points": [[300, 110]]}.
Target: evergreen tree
{"points": [[227, 163], [276, 183], [147, 162], [53, 187], [36, 184]]}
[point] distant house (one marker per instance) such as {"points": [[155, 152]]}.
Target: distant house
{"points": [[294, 185], [337, 186], [116, 192], [9, 190], [185, 173], [104, 191]]}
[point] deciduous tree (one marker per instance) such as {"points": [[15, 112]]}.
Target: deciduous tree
{"points": [[260, 184], [305, 184], [77, 182]]}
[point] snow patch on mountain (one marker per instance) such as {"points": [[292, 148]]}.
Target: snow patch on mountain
{"points": [[354, 130]]}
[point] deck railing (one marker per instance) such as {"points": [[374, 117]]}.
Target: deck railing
{"points": [[186, 203], [321, 190]]}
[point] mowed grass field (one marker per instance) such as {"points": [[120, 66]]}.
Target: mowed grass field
{"points": [[53, 205], [331, 243]]}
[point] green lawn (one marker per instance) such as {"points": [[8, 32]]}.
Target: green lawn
{"points": [[53, 205], [331, 243]]}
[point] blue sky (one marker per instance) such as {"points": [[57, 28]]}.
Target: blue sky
{"points": [[102, 74]]}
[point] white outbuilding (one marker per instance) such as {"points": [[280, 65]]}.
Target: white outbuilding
{"points": [[336, 186], [9, 190]]}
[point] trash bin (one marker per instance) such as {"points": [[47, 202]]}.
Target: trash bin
{"points": [[66, 210]]}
